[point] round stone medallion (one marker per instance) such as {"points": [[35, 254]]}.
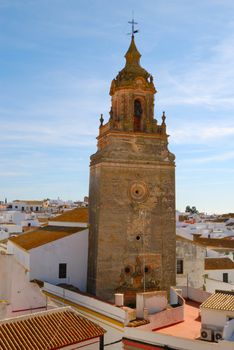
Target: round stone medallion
{"points": [[138, 191]]}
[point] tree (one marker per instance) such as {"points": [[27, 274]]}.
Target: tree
{"points": [[191, 210]]}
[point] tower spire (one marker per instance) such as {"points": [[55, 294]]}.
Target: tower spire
{"points": [[132, 55]]}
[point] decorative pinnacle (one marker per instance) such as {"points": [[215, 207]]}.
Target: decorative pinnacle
{"points": [[163, 118], [101, 120]]}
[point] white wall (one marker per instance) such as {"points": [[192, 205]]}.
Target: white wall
{"points": [[3, 234], [92, 344], [214, 318], [21, 255], [11, 228], [194, 294], [211, 285], [32, 222], [153, 301], [193, 257], [164, 318], [72, 250], [218, 274], [20, 205], [21, 296], [5, 282], [88, 302], [158, 339], [12, 217], [26, 296]]}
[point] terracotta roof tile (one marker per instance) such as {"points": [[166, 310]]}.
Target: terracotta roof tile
{"points": [[186, 240], [43, 235], [74, 215], [29, 202], [215, 242], [218, 264], [221, 300], [43, 219], [47, 330]]}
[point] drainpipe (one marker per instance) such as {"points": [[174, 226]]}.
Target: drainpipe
{"points": [[187, 286]]}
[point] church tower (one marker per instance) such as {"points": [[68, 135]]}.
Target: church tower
{"points": [[132, 192]]}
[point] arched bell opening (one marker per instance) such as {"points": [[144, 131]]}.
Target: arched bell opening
{"points": [[138, 111]]}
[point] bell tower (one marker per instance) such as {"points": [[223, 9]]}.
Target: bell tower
{"points": [[132, 192]]}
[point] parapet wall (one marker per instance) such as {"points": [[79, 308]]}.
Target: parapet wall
{"points": [[167, 317], [194, 294]]}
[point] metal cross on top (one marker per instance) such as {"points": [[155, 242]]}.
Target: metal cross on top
{"points": [[133, 29]]}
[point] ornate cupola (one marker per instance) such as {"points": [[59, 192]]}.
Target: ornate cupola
{"points": [[132, 93], [127, 77]]}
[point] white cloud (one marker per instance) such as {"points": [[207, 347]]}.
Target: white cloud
{"points": [[4, 173], [215, 158], [206, 81], [71, 134], [197, 133], [71, 119]]}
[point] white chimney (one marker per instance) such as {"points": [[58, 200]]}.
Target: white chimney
{"points": [[119, 299]]}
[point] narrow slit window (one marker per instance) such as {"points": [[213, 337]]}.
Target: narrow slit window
{"points": [[62, 270], [225, 277], [179, 266]]}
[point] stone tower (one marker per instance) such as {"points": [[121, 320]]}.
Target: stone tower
{"points": [[132, 192]]}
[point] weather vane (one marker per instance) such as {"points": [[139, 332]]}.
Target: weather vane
{"points": [[132, 22]]}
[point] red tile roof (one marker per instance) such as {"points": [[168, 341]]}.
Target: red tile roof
{"points": [[48, 330]]}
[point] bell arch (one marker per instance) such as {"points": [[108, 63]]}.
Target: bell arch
{"points": [[138, 113]]}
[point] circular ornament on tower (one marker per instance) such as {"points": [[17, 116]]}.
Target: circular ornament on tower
{"points": [[138, 191]]}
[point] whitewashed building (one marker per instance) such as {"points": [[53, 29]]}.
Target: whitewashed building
{"points": [[217, 317], [219, 274], [29, 205], [221, 269], [17, 295], [14, 222], [190, 257], [55, 254]]}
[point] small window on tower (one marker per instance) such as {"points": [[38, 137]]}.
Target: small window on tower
{"points": [[62, 270], [179, 266]]}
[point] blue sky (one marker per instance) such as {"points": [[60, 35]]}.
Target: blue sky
{"points": [[57, 60]]}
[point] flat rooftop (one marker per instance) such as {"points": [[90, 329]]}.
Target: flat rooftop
{"points": [[190, 327]]}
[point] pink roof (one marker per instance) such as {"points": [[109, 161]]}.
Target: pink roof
{"points": [[190, 327]]}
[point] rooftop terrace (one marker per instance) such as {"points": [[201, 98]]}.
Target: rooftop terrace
{"points": [[190, 327]]}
